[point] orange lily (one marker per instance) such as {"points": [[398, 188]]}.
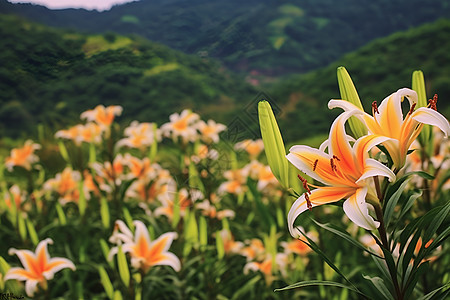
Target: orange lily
{"points": [[23, 157], [387, 120], [38, 267], [144, 253], [344, 170], [103, 116]]}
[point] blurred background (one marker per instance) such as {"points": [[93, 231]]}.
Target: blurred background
{"points": [[218, 58]]}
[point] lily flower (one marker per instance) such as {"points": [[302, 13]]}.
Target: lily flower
{"points": [[144, 252], [38, 267], [103, 116], [140, 135], [345, 171], [210, 131], [388, 120], [182, 125], [23, 157]]}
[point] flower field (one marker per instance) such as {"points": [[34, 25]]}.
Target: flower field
{"points": [[100, 211]]}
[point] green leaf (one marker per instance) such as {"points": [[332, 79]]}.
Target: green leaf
{"points": [[248, 287], [262, 208], [320, 283], [32, 232], [346, 236], [392, 202], [316, 249], [434, 292], [381, 287]]}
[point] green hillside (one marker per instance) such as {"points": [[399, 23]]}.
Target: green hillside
{"points": [[50, 76], [378, 69], [268, 37]]}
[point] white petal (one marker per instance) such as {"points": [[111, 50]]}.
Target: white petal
{"points": [[301, 165], [30, 287], [357, 210], [375, 168], [171, 260], [299, 206], [429, 116]]}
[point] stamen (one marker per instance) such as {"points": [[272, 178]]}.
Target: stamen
{"points": [[432, 102], [333, 166], [412, 108], [375, 108], [336, 158], [308, 202], [305, 184], [315, 164]]}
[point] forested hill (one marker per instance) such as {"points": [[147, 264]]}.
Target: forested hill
{"points": [[378, 69], [268, 37], [50, 76]]}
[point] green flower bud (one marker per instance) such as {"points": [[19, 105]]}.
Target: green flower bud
{"points": [[349, 93]]}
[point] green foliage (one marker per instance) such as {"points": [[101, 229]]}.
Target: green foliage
{"points": [[49, 76]]}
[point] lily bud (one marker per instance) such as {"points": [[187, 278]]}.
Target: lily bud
{"points": [[349, 93], [273, 143], [418, 85]]}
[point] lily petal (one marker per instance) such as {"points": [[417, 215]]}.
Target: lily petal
{"points": [[429, 116], [375, 168], [318, 196], [357, 210]]}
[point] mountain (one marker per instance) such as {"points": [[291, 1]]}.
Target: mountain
{"points": [[50, 76], [264, 37], [377, 69]]}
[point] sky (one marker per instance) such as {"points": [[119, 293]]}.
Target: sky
{"points": [[86, 4]]}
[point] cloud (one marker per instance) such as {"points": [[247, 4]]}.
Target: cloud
{"points": [[99, 5]]}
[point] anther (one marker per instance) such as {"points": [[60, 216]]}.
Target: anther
{"points": [[336, 158], [308, 202], [333, 166], [375, 107], [305, 184], [412, 108], [432, 102], [315, 164]]}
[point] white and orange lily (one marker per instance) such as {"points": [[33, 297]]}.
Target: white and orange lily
{"points": [[103, 116], [181, 125], [23, 157], [345, 171], [37, 267], [387, 120], [144, 252]]}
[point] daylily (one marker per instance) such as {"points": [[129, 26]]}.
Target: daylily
{"points": [[253, 147], [345, 171], [144, 252], [23, 157], [66, 185], [140, 135], [210, 131], [89, 133], [387, 120], [38, 267], [103, 116], [182, 125]]}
